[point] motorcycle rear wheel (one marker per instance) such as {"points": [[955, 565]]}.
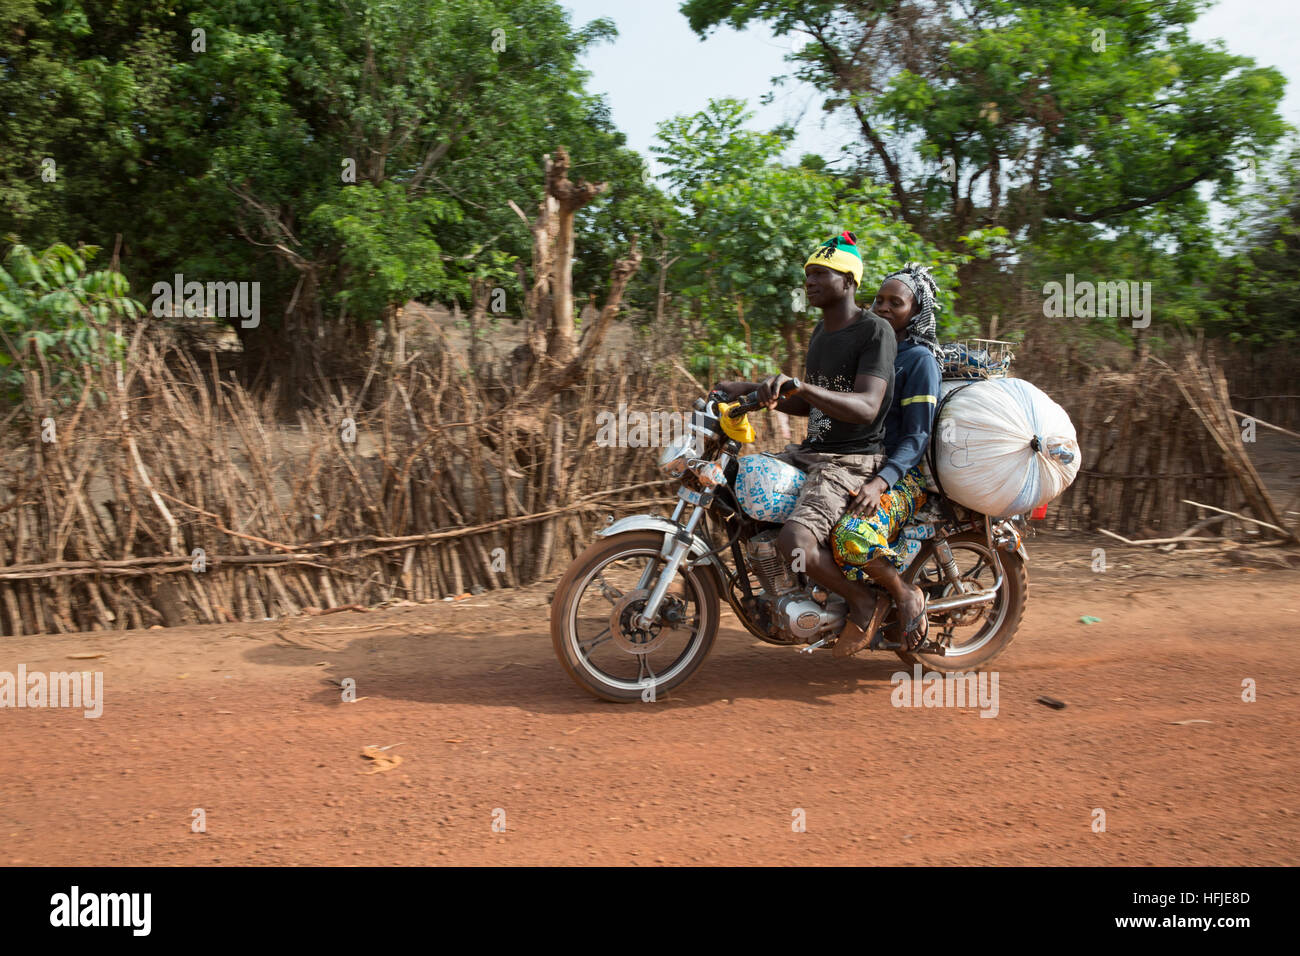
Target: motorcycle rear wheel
{"points": [[601, 586], [995, 624]]}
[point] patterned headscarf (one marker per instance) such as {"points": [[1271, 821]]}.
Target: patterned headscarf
{"points": [[922, 328]]}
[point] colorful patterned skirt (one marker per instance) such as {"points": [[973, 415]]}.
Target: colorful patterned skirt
{"points": [[857, 540]]}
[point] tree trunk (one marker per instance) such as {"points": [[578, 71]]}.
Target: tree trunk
{"points": [[563, 199], [559, 360]]}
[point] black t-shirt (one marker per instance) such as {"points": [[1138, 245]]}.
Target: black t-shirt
{"points": [[835, 359]]}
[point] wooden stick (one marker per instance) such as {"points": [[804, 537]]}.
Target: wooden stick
{"points": [[1184, 537], [1259, 421], [1241, 517], [1252, 485], [224, 530]]}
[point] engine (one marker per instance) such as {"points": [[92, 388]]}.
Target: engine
{"points": [[768, 565], [798, 612], [805, 617]]}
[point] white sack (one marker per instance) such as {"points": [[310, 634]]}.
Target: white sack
{"points": [[984, 452]]}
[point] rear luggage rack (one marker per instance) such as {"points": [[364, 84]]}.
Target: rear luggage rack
{"points": [[973, 359]]}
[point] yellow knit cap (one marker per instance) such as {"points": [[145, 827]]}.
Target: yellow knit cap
{"points": [[839, 253]]}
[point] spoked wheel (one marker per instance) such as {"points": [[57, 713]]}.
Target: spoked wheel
{"points": [[594, 620], [971, 636]]}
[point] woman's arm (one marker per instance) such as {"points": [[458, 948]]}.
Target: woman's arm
{"points": [[918, 398], [917, 395]]}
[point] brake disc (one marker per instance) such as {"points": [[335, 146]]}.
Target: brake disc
{"points": [[623, 627]]}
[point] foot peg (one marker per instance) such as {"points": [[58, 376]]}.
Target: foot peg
{"points": [[812, 647], [925, 647]]}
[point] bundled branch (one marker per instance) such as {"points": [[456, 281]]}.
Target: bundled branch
{"points": [[168, 496], [1157, 443]]}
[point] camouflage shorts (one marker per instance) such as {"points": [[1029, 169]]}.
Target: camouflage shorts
{"points": [[832, 481]]}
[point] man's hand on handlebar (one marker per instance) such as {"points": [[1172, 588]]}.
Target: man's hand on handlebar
{"points": [[769, 391], [749, 396], [734, 390]]}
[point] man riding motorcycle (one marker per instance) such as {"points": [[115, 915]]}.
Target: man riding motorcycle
{"points": [[638, 610], [846, 392]]}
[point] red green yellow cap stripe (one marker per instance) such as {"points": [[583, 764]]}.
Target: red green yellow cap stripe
{"points": [[839, 253]]}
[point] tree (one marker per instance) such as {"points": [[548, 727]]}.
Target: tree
{"points": [[1070, 126], [751, 225], [1258, 284], [346, 156], [1018, 113], [57, 318], [556, 361]]}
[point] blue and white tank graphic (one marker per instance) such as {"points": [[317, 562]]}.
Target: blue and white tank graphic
{"points": [[767, 488]]}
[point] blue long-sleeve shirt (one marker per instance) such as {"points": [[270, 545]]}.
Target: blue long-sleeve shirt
{"points": [[911, 414]]}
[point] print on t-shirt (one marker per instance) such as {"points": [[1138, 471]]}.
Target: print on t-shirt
{"points": [[818, 425]]}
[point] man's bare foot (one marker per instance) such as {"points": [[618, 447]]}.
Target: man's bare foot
{"points": [[854, 637]]}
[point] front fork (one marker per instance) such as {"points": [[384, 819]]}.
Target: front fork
{"points": [[681, 544], [681, 547]]}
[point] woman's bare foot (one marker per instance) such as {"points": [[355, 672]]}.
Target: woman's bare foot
{"points": [[910, 607]]}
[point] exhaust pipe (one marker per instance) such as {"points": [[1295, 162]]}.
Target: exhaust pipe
{"points": [[956, 601]]}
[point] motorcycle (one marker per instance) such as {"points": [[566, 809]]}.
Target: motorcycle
{"points": [[637, 612]]}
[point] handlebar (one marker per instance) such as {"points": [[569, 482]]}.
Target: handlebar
{"points": [[750, 402]]}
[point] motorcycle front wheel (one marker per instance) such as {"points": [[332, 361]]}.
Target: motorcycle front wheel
{"points": [[594, 612]]}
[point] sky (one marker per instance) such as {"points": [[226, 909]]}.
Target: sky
{"points": [[658, 68]]}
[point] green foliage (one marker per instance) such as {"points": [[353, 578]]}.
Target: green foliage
{"points": [[1093, 112], [1060, 111], [388, 247], [1024, 138], [753, 223], [225, 159], [80, 83], [724, 353], [56, 317], [1093, 134], [1258, 285], [714, 146]]}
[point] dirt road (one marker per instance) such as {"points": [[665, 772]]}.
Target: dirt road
{"points": [[246, 723]]}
